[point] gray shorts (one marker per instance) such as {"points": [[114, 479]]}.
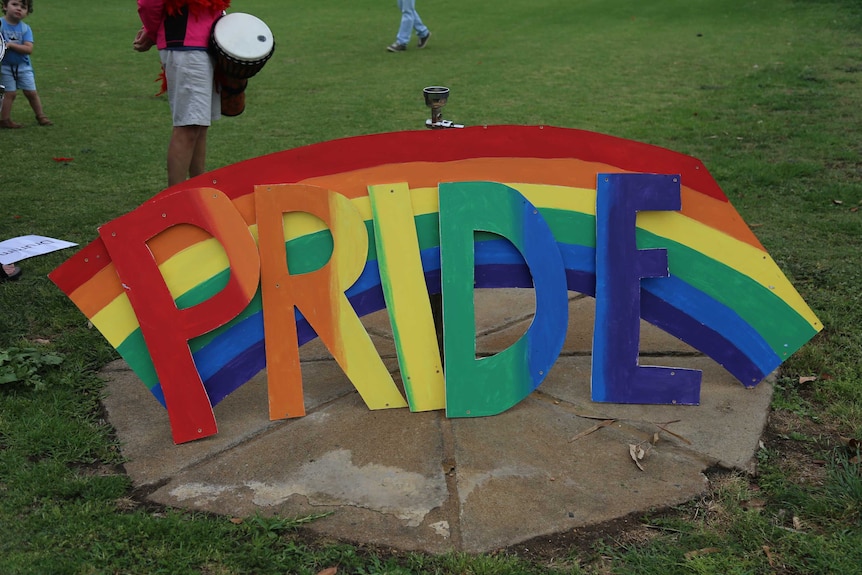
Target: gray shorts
{"points": [[191, 91]]}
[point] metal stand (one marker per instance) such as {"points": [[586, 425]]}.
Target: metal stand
{"points": [[435, 98]]}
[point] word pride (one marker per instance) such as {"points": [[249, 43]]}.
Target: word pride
{"points": [[229, 273]]}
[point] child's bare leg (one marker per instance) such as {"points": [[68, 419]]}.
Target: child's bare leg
{"points": [[36, 104], [6, 111], [181, 152]]}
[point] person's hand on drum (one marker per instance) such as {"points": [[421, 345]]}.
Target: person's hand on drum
{"points": [[142, 41]]}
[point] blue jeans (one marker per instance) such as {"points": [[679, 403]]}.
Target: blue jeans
{"points": [[18, 77], [410, 21]]}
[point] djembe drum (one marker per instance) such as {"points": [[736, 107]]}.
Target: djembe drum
{"points": [[242, 44]]}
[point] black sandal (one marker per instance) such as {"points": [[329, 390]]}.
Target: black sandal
{"points": [[12, 276]]}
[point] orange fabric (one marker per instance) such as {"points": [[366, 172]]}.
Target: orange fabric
{"points": [[163, 80]]}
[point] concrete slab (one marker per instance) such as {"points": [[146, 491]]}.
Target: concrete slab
{"points": [[725, 427], [420, 481], [579, 336], [521, 475]]}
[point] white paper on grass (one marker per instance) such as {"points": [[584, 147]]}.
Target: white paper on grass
{"points": [[23, 247]]}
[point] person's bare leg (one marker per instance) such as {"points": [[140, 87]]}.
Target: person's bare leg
{"points": [[199, 157], [181, 151], [36, 103], [6, 110]]}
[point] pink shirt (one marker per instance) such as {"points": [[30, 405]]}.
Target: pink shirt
{"points": [[197, 27]]}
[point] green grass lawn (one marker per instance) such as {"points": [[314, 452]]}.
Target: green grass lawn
{"points": [[766, 93]]}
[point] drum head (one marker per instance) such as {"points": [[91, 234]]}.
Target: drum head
{"points": [[243, 37]]}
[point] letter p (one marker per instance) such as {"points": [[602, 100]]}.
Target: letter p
{"points": [[167, 329]]}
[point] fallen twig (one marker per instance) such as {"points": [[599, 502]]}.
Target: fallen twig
{"points": [[677, 435], [594, 428]]}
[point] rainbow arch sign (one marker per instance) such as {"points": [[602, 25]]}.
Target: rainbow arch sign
{"points": [[229, 273]]}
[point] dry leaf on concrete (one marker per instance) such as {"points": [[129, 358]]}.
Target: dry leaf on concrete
{"points": [[634, 450]]}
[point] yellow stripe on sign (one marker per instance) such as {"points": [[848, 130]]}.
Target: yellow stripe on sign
{"points": [[565, 198], [424, 201], [583, 200], [740, 256], [299, 224], [363, 204], [194, 265], [406, 296], [116, 321]]}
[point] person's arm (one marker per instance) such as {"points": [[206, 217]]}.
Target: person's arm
{"points": [[26, 43], [25, 48], [142, 41], [152, 13]]}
